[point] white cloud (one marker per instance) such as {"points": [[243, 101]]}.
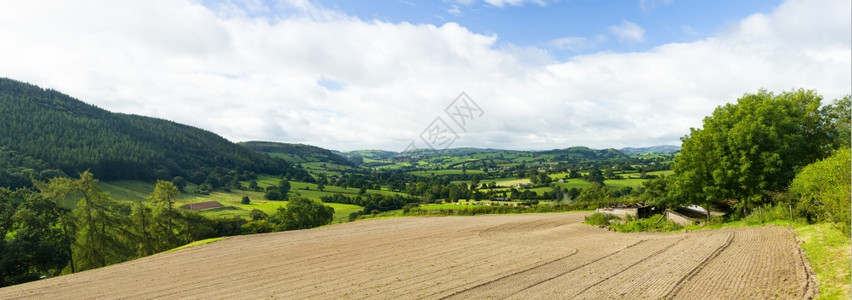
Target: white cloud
{"points": [[321, 77], [576, 43], [571, 43], [688, 30], [627, 31], [502, 3], [455, 11]]}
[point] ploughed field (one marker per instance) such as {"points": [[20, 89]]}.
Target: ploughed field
{"points": [[547, 256]]}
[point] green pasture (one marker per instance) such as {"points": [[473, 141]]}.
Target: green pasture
{"points": [[445, 172], [137, 190]]}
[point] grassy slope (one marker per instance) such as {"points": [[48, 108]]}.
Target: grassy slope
{"points": [[828, 251]]}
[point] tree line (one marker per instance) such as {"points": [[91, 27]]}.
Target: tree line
{"points": [[67, 225]]}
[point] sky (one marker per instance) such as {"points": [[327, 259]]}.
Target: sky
{"points": [[402, 74]]}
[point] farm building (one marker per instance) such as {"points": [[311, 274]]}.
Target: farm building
{"points": [[687, 215], [524, 185], [637, 210], [202, 205]]}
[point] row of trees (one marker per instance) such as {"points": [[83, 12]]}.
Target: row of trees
{"points": [[69, 225]]}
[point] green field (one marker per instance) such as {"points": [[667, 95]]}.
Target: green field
{"points": [[445, 172], [622, 183], [573, 183], [461, 205], [324, 168], [828, 251], [512, 182], [658, 173], [136, 190]]}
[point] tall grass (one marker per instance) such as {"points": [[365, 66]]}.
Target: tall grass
{"points": [[828, 251]]}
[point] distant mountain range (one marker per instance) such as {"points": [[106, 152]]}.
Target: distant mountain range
{"points": [[578, 150]]}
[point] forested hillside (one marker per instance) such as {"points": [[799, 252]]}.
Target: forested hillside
{"points": [[43, 131], [296, 153]]}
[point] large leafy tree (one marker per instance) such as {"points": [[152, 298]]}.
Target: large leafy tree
{"points": [[838, 116], [302, 213], [747, 150], [7, 210], [37, 247]]}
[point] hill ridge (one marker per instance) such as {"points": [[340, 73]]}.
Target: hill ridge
{"points": [[68, 135]]}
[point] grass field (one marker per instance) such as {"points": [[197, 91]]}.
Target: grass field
{"points": [[136, 190], [447, 206], [622, 183], [445, 172], [324, 168], [828, 251], [658, 173], [512, 182], [573, 183]]}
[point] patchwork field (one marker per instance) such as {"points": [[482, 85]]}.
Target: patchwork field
{"points": [[548, 256]]}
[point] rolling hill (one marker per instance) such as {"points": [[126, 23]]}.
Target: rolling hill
{"points": [[45, 133], [296, 153], [583, 153], [369, 154], [663, 149]]}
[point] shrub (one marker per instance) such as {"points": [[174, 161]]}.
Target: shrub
{"points": [[767, 214], [258, 226], [273, 195], [824, 190], [644, 225], [257, 215], [599, 219]]}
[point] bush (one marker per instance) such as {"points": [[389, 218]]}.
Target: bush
{"points": [[767, 213], [407, 208], [599, 219], [824, 190], [245, 200], [257, 215], [258, 226], [274, 195], [651, 224]]}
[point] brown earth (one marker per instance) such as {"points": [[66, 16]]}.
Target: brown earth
{"points": [[542, 256]]}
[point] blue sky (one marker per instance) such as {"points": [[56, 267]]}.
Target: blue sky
{"points": [[349, 75], [540, 24]]}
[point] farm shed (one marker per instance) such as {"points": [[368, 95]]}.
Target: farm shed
{"points": [[202, 205], [637, 210], [686, 215]]}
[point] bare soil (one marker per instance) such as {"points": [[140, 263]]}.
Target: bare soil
{"points": [[530, 256]]}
